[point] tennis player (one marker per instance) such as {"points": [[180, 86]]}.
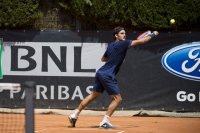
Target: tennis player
{"points": [[105, 78]]}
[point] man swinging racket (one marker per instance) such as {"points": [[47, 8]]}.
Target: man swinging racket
{"points": [[105, 78]]}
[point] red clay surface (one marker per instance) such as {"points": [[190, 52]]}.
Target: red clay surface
{"points": [[52, 123]]}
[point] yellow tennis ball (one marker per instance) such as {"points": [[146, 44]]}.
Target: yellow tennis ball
{"points": [[172, 21]]}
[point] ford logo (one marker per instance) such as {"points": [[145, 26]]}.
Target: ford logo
{"points": [[183, 61]]}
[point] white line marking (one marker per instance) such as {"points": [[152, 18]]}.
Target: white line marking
{"points": [[76, 129], [107, 130], [40, 130]]}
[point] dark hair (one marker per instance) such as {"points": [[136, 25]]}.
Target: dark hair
{"points": [[116, 30]]}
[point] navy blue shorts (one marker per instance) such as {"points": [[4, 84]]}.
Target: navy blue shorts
{"points": [[108, 83]]}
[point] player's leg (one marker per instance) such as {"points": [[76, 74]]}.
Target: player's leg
{"points": [[87, 100], [111, 86], [74, 116], [97, 90], [116, 100]]}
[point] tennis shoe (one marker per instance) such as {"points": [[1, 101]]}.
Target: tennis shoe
{"points": [[72, 120], [105, 125]]}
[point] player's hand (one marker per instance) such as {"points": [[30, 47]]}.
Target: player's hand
{"points": [[155, 33]]}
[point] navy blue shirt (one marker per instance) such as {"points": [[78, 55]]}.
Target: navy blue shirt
{"points": [[115, 54]]}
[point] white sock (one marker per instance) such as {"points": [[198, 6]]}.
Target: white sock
{"points": [[106, 119], [75, 114]]}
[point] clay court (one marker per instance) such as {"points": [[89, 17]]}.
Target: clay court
{"points": [[53, 123]]}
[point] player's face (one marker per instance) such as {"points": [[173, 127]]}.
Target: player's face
{"points": [[121, 35]]}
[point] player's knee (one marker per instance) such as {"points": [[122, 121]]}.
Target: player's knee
{"points": [[118, 99]]}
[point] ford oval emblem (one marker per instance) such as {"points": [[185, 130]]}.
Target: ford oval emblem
{"points": [[183, 61]]}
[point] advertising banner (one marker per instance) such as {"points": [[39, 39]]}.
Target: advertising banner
{"points": [[163, 74]]}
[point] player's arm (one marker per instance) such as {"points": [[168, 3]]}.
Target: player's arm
{"points": [[145, 39], [104, 59]]}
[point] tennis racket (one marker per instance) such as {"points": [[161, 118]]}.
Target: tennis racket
{"points": [[144, 34]]}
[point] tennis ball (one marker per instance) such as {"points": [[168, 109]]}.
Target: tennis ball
{"points": [[172, 21]]}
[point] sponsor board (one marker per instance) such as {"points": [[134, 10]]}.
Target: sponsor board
{"points": [[183, 96], [52, 58], [183, 61], [63, 66], [52, 92]]}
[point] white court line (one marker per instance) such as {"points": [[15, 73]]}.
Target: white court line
{"points": [[92, 129], [40, 130], [42, 123], [106, 130], [76, 129]]}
